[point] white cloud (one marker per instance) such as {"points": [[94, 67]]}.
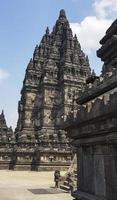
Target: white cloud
{"points": [[3, 74], [92, 28], [105, 8], [90, 31]]}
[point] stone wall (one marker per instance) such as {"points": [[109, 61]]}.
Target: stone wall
{"points": [[94, 130]]}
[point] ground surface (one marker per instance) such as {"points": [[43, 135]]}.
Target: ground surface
{"points": [[15, 185]]}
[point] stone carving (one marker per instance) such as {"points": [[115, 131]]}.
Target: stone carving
{"points": [[94, 131]]}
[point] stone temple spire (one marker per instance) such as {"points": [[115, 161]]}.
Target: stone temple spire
{"points": [[57, 71], [58, 59], [62, 14], [3, 128], [61, 23], [2, 119]]}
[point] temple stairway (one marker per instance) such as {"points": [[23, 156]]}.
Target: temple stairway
{"points": [[65, 183]]}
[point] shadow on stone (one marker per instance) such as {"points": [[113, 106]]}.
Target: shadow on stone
{"points": [[46, 191]]}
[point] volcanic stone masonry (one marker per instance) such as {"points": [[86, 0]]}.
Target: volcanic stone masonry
{"points": [[53, 79], [94, 130], [6, 134]]}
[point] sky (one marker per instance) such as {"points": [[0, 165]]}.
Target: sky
{"points": [[22, 25]]}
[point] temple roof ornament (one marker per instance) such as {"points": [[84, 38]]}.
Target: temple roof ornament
{"points": [[62, 13]]}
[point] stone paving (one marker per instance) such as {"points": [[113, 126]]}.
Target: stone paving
{"points": [[20, 185]]}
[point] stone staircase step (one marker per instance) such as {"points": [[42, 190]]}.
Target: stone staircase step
{"points": [[64, 187], [66, 183]]}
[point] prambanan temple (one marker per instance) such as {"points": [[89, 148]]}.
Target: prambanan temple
{"points": [[65, 108], [54, 77]]}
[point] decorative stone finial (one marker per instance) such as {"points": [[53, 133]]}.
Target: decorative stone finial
{"points": [[75, 36], [31, 61], [30, 64], [93, 73], [36, 50], [2, 113], [36, 47], [47, 31], [2, 118], [62, 13]]}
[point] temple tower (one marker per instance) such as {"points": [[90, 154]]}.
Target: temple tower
{"points": [[7, 141], [54, 77], [6, 134]]}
